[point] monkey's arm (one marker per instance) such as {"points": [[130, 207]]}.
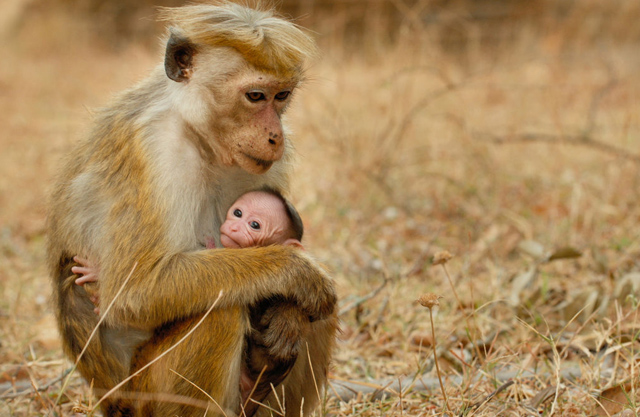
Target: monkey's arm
{"points": [[185, 284]]}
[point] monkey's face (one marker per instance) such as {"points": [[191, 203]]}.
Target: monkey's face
{"points": [[247, 119], [258, 140], [255, 219], [241, 104]]}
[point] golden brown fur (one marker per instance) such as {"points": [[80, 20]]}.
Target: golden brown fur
{"points": [[153, 179]]}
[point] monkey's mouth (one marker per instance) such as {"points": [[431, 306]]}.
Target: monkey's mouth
{"points": [[262, 163], [227, 242]]}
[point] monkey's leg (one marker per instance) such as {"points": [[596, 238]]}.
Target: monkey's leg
{"points": [[313, 362], [103, 364], [208, 360]]}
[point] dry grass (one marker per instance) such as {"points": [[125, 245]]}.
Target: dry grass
{"points": [[501, 155]]}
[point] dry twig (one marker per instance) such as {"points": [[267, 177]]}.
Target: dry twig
{"points": [[41, 388]]}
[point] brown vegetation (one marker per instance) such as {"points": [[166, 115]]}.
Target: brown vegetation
{"points": [[509, 136]]}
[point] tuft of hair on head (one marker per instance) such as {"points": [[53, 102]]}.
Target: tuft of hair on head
{"points": [[265, 40], [297, 228]]}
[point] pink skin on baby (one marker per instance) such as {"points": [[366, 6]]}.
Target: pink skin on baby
{"points": [[257, 219]]}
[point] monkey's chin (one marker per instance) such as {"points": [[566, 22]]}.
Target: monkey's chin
{"points": [[253, 165]]}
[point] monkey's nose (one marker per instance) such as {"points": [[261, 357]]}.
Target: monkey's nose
{"points": [[275, 139]]}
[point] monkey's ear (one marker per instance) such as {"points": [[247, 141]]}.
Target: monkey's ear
{"points": [[293, 242], [178, 58]]}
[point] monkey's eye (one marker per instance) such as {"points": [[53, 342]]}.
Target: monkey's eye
{"points": [[254, 225], [283, 95], [255, 96], [237, 213]]}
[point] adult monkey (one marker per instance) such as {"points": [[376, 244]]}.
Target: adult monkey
{"points": [[151, 183]]}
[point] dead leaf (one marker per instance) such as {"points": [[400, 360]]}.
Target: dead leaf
{"points": [[581, 301], [421, 339], [519, 283], [626, 413], [564, 253], [615, 399], [628, 284], [532, 248]]}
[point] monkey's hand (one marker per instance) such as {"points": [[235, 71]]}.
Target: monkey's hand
{"points": [[279, 326], [88, 275], [87, 272], [313, 289]]}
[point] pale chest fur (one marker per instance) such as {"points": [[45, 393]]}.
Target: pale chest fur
{"points": [[197, 193]]}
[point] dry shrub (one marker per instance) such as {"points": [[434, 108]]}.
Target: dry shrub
{"points": [[507, 136]]}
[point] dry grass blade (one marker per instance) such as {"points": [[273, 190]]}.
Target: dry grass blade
{"points": [[313, 374], [478, 404], [273, 410], [556, 363], [543, 396], [253, 389], [204, 392], [281, 404], [429, 301]]}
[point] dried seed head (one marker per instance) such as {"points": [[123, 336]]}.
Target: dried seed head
{"points": [[441, 258], [429, 300]]}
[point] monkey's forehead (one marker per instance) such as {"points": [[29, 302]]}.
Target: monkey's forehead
{"points": [[256, 78]]}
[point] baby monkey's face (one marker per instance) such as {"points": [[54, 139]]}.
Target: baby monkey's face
{"points": [[255, 219]]}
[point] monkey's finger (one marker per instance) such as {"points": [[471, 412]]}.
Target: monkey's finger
{"points": [[81, 261], [86, 278], [81, 270]]}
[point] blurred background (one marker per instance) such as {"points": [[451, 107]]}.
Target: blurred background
{"points": [[506, 132]]}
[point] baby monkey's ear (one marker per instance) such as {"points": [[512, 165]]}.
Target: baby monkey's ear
{"points": [[294, 242]]}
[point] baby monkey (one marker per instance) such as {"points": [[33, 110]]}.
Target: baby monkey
{"points": [[257, 218]]}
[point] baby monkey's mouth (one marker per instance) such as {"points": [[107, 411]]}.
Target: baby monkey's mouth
{"points": [[228, 242]]}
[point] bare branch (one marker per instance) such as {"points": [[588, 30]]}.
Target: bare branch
{"points": [[584, 140], [347, 390], [364, 298], [41, 388]]}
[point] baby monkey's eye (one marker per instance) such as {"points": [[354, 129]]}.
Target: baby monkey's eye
{"points": [[237, 213], [254, 225]]}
